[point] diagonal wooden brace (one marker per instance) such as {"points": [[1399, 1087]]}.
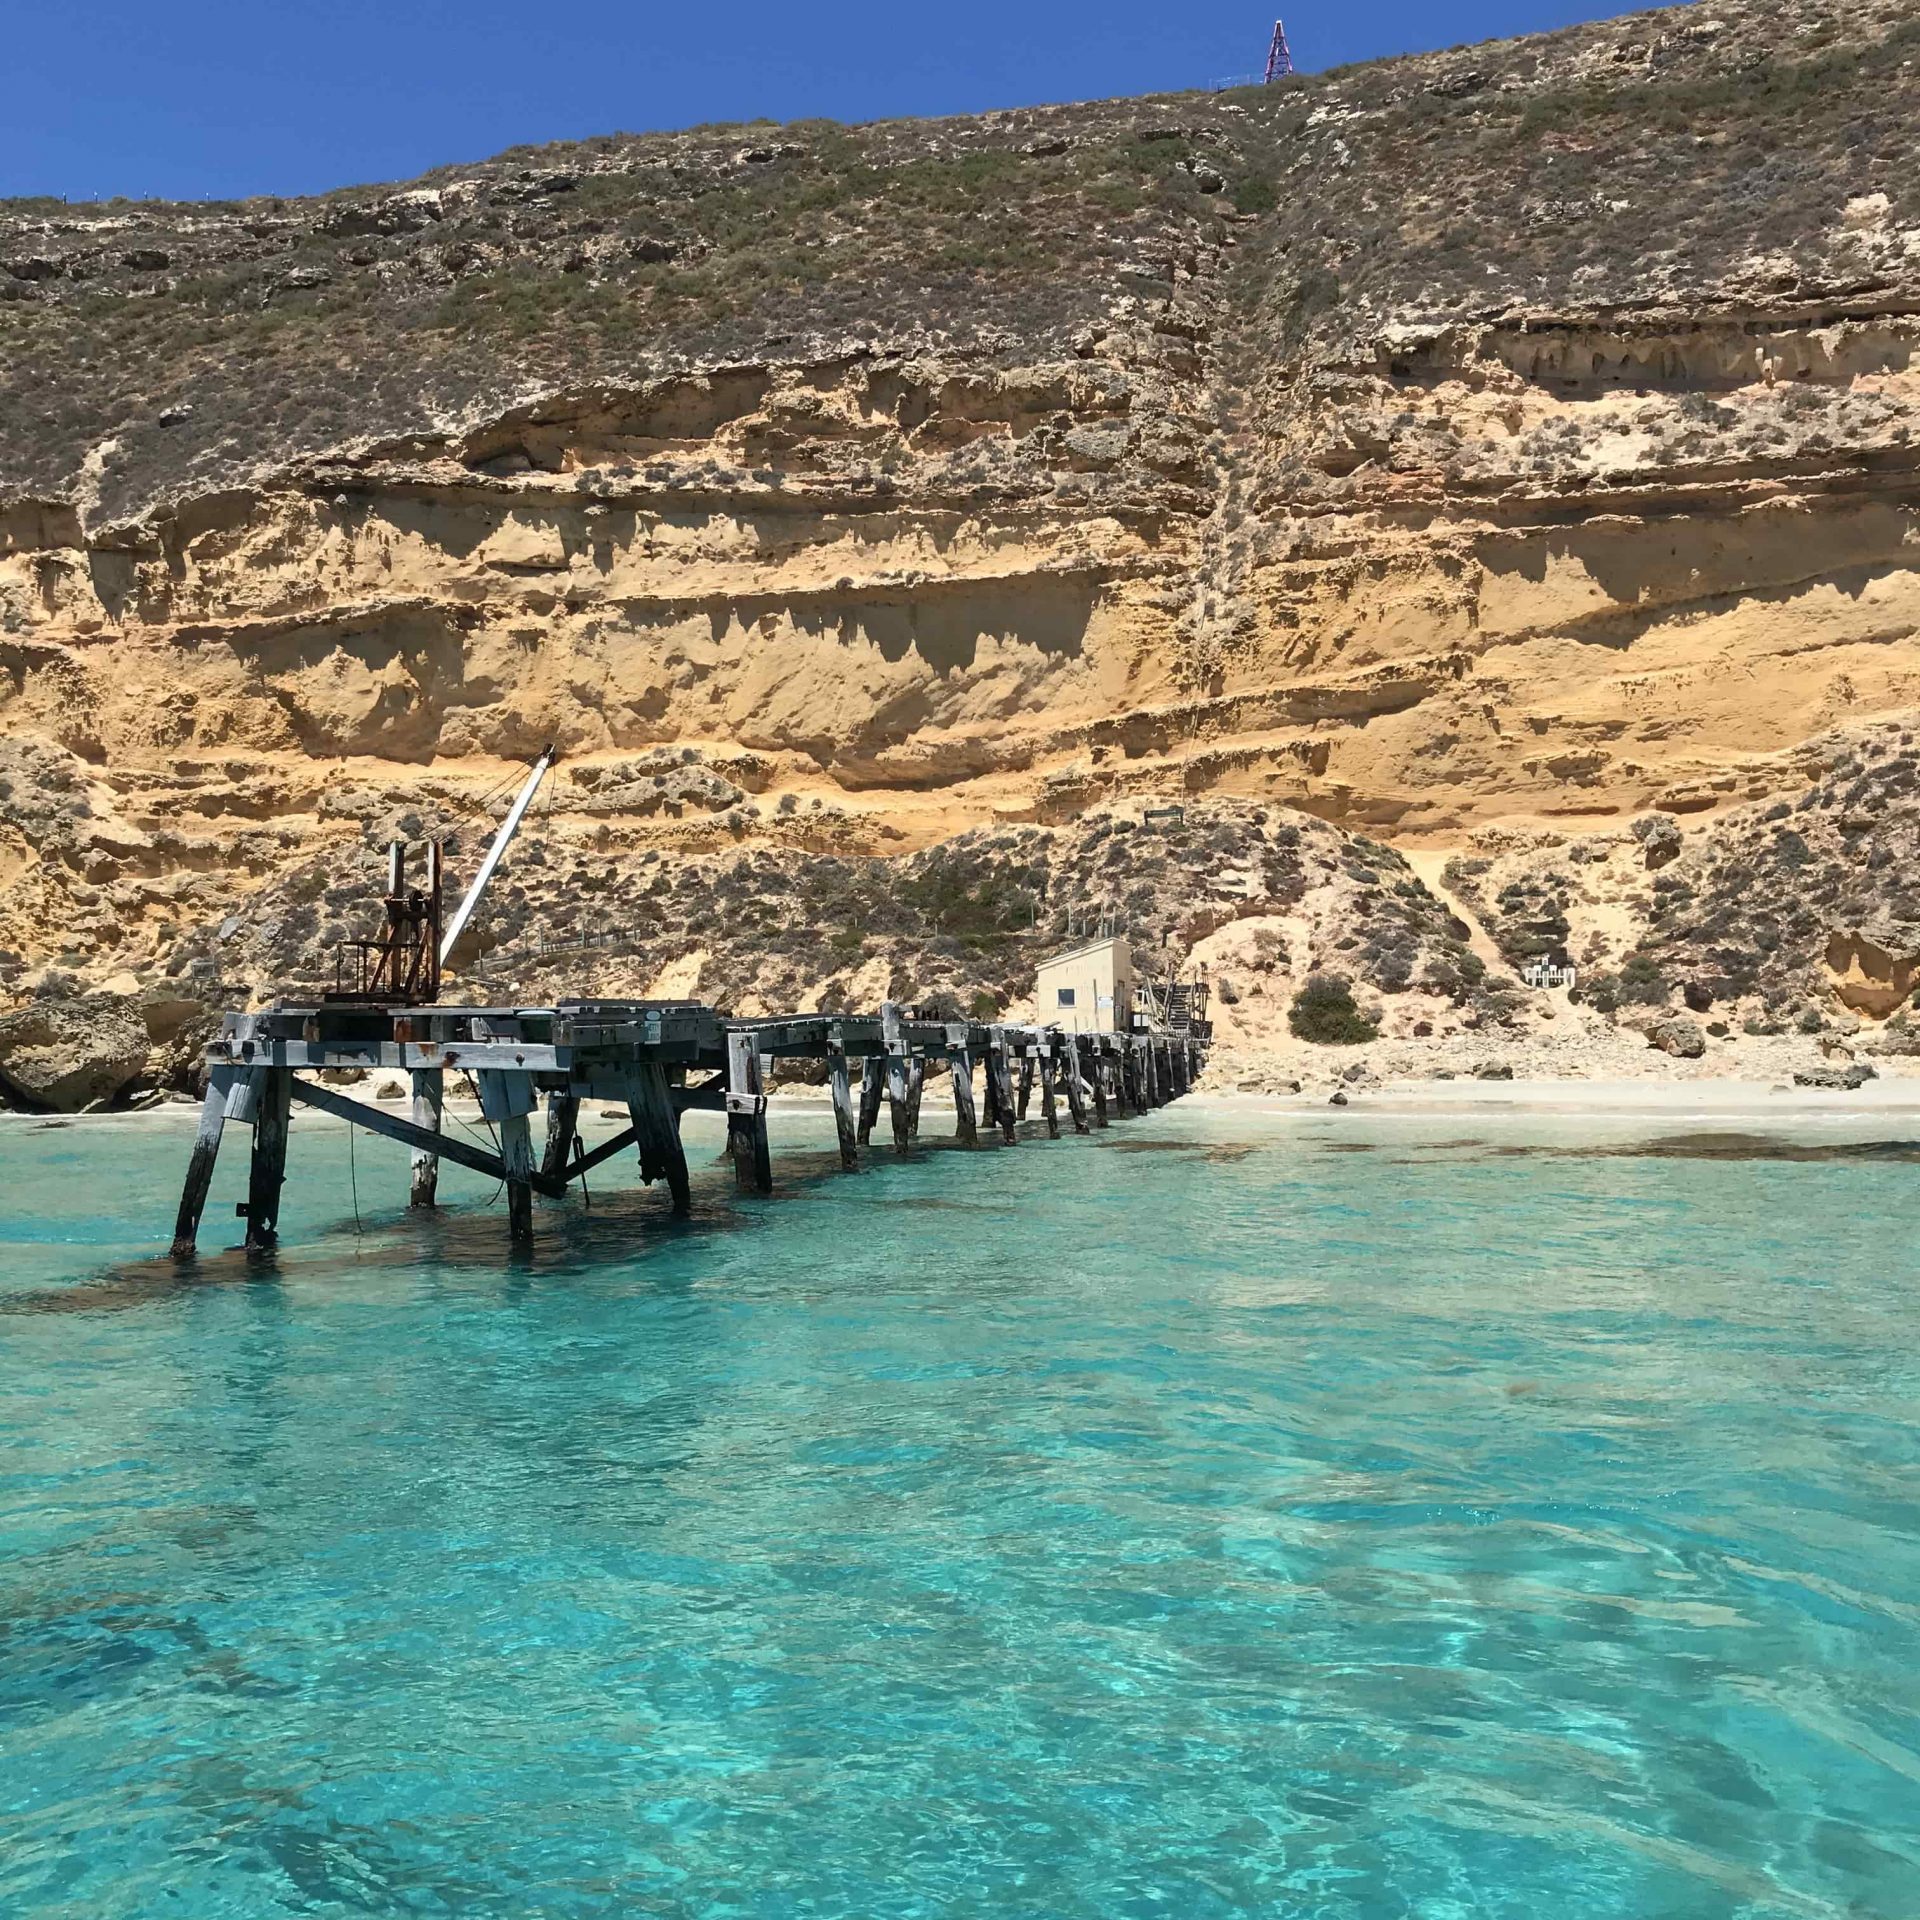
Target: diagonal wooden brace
{"points": [[448, 1146]]}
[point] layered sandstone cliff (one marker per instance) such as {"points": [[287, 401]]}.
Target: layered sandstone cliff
{"points": [[1474, 451]]}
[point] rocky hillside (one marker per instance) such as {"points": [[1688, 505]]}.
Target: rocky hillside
{"points": [[1474, 452], [1802, 913]]}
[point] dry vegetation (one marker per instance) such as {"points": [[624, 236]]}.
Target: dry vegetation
{"points": [[210, 340]]}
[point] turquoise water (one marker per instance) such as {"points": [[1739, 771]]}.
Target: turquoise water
{"points": [[1223, 1516]]}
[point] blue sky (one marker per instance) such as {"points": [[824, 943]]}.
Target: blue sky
{"points": [[214, 98]]}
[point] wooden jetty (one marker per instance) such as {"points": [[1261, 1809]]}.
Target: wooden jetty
{"points": [[655, 1059]]}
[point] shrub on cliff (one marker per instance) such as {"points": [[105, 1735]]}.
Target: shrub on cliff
{"points": [[1639, 983], [1324, 1012]]}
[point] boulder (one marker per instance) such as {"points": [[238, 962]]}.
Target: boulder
{"points": [[1660, 838], [1847, 1079], [1493, 1070], [1681, 1038], [63, 1054]]}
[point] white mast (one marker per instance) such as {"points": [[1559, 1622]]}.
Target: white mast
{"points": [[508, 827]]}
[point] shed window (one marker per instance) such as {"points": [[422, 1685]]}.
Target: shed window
{"points": [[1066, 996]]}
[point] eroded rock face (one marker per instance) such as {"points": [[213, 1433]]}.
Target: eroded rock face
{"points": [[1396, 446], [1868, 976]]}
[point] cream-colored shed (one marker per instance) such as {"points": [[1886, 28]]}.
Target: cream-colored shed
{"points": [[1087, 989]]}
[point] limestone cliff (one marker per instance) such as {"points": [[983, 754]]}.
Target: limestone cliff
{"points": [[1473, 450]]}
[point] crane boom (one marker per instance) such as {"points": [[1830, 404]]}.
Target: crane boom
{"points": [[508, 828]]}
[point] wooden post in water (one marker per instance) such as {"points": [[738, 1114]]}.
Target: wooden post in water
{"points": [[206, 1151], [897, 1101], [1076, 1087], [267, 1174], [1000, 1073], [516, 1155], [960, 1065], [747, 1115], [916, 1085], [840, 1079], [563, 1128], [1049, 1111], [873, 1081], [1096, 1053], [507, 1098], [429, 1097], [896, 1076], [662, 1157], [1026, 1080]]}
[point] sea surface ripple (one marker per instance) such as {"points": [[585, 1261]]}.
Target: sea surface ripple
{"points": [[1219, 1516]]}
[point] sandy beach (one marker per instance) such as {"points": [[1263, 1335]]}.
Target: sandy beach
{"points": [[1721, 1100]]}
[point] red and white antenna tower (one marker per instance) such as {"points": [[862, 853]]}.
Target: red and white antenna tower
{"points": [[1279, 54]]}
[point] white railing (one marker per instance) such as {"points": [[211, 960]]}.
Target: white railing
{"points": [[1543, 973]]}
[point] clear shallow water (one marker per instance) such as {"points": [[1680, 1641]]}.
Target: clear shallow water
{"points": [[1206, 1519]]}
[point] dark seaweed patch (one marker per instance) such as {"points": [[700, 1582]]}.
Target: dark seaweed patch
{"points": [[1693, 1146], [1217, 1153], [1759, 1146]]}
